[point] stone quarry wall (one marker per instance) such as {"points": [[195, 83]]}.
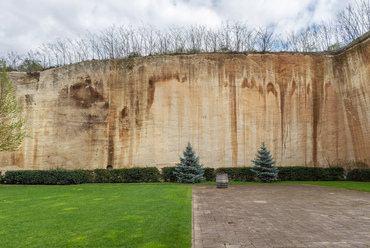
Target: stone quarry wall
{"points": [[143, 111]]}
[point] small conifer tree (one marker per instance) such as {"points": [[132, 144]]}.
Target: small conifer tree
{"points": [[189, 170], [264, 168]]}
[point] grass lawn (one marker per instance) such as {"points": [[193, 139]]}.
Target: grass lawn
{"points": [[95, 215], [106, 215], [360, 186]]}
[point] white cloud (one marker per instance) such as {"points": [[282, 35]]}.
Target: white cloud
{"points": [[27, 24]]}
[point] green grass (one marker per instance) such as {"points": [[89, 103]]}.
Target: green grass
{"points": [[360, 186], [106, 215], [95, 215]]}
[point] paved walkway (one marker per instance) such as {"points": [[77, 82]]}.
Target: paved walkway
{"points": [[280, 216]]}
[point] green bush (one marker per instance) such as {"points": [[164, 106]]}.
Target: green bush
{"points": [[87, 176], [167, 174], [209, 174], [108, 176], [335, 173], [48, 177], [300, 173], [152, 174], [102, 176], [65, 177], [361, 175], [141, 174], [237, 173], [117, 175]]}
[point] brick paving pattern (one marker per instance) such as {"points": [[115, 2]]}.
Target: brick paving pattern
{"points": [[280, 216]]}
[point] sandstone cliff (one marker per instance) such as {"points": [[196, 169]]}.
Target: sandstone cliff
{"points": [[143, 111]]}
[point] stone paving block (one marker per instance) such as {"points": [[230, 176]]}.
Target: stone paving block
{"points": [[281, 216], [215, 246]]}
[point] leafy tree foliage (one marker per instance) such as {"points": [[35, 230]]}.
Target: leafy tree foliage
{"points": [[264, 168], [189, 170], [12, 130]]}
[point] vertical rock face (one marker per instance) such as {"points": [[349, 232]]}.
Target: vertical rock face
{"points": [[143, 111]]}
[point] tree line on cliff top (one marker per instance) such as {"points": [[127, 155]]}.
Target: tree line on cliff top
{"points": [[231, 36]]}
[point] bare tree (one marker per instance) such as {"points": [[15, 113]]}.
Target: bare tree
{"points": [[127, 41], [224, 36], [265, 39], [212, 40], [239, 32], [177, 43], [148, 39], [164, 41], [354, 20], [195, 38], [13, 58]]}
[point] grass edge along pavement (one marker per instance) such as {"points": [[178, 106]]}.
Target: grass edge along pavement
{"points": [[360, 186], [95, 215]]}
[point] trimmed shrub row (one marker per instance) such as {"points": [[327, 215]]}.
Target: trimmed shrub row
{"points": [[152, 174], [66, 177], [167, 174], [48, 177], [285, 174], [234, 174], [361, 175], [237, 173], [310, 174]]}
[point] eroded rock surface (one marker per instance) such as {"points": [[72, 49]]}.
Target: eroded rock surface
{"points": [[143, 111]]}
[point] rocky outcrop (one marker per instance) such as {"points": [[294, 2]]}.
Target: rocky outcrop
{"points": [[143, 111]]}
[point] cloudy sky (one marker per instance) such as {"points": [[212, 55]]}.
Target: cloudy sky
{"points": [[26, 24]]}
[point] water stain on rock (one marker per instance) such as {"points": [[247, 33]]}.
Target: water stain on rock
{"points": [[164, 77], [124, 112], [294, 86], [271, 88], [84, 94], [29, 100], [245, 83], [34, 74], [260, 90]]}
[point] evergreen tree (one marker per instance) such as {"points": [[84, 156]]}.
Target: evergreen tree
{"points": [[12, 130], [189, 170], [264, 168]]}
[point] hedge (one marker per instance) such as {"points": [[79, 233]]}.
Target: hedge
{"points": [[285, 173], [299, 173], [65, 177], [237, 173], [48, 177], [210, 174], [87, 176], [152, 174], [107, 176], [145, 174], [167, 174], [361, 175]]}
